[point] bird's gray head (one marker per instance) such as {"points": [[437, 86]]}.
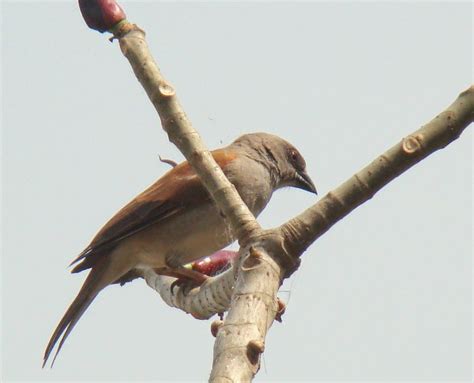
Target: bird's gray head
{"points": [[285, 163]]}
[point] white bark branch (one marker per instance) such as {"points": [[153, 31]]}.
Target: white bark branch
{"points": [[301, 231], [240, 340], [202, 302]]}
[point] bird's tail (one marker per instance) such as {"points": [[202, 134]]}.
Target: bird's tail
{"points": [[99, 277]]}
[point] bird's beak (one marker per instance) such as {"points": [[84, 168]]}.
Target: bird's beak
{"points": [[302, 181]]}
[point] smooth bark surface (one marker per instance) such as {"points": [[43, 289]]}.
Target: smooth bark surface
{"points": [[301, 231]]}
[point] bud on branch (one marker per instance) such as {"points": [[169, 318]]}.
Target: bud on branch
{"points": [[101, 15]]}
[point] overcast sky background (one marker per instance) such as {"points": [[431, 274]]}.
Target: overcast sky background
{"points": [[384, 295]]}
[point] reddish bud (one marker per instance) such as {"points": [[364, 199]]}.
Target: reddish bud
{"points": [[216, 263], [101, 15], [215, 326]]}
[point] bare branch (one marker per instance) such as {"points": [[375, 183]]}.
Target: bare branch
{"points": [[182, 134], [254, 299], [240, 339], [202, 302], [301, 231]]}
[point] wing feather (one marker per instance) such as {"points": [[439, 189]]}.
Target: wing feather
{"points": [[178, 190]]}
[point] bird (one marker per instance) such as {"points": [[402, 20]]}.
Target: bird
{"points": [[175, 221]]}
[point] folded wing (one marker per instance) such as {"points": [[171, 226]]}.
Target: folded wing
{"points": [[176, 191]]}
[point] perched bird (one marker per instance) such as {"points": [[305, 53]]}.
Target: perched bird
{"points": [[175, 221]]}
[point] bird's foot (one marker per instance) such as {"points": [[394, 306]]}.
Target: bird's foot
{"points": [[186, 284], [187, 279]]}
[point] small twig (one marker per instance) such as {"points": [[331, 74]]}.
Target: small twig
{"points": [[169, 162]]}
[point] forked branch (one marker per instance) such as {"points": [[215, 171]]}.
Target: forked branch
{"points": [[267, 256]]}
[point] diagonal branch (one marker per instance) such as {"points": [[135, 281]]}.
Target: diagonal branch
{"points": [[241, 339], [181, 133], [301, 231]]}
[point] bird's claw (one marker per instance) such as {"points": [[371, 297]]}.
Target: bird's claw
{"points": [[184, 283], [186, 278]]}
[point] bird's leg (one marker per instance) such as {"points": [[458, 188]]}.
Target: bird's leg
{"points": [[185, 277], [183, 273]]}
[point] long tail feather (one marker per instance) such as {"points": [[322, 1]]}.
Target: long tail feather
{"points": [[93, 284]]}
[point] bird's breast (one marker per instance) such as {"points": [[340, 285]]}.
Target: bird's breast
{"points": [[202, 230], [194, 234]]}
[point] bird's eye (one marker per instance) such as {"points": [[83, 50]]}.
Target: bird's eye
{"points": [[296, 160]]}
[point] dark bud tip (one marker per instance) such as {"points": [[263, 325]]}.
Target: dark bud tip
{"points": [[101, 15]]}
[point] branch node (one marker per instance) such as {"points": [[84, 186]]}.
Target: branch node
{"points": [[253, 260], [122, 28], [255, 253], [166, 89], [254, 349], [215, 327], [412, 144]]}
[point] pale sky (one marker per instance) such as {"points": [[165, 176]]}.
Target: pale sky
{"points": [[384, 295]]}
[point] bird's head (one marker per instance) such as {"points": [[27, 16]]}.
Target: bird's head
{"points": [[286, 165]]}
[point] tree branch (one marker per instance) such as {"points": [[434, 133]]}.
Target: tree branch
{"points": [[240, 339], [181, 133], [243, 224], [212, 297], [301, 231]]}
